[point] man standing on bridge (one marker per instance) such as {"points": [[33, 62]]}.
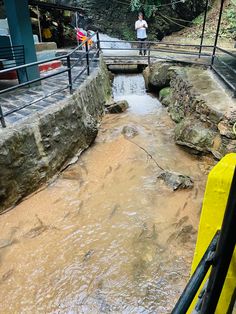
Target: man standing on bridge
{"points": [[140, 27]]}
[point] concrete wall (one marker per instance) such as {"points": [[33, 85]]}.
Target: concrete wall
{"points": [[34, 151]]}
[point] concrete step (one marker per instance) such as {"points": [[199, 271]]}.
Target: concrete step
{"points": [[46, 55]]}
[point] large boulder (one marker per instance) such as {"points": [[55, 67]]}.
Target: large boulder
{"points": [[195, 135], [157, 76]]}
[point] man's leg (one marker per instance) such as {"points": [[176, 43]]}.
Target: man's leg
{"points": [[144, 47], [140, 46]]}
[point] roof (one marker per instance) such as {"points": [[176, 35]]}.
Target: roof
{"points": [[54, 5]]}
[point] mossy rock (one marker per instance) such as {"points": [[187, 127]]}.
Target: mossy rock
{"points": [[194, 135], [165, 96]]}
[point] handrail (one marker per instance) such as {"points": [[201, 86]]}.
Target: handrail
{"points": [[160, 50], [68, 69], [155, 42], [46, 60], [178, 49], [11, 56], [227, 52], [164, 47], [218, 255], [197, 278]]}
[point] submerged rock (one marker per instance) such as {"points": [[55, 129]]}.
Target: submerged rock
{"points": [[129, 131], [5, 242], [176, 180], [117, 107]]}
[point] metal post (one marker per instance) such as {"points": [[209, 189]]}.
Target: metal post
{"points": [[223, 255], [76, 20], [98, 44], [39, 24], [2, 118], [195, 281], [203, 29], [87, 57], [149, 56], [217, 32], [69, 73]]}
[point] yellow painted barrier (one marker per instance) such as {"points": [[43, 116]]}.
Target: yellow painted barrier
{"points": [[213, 209]]}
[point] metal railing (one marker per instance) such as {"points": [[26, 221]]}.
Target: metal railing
{"points": [[224, 65], [161, 50], [206, 55], [217, 256], [88, 56], [223, 62], [11, 56]]}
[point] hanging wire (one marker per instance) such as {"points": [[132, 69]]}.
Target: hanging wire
{"points": [[170, 19], [182, 20], [156, 6]]}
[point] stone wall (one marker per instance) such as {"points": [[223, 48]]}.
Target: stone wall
{"points": [[202, 108], [35, 150]]}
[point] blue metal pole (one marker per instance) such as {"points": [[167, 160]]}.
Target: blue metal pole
{"points": [[21, 34]]}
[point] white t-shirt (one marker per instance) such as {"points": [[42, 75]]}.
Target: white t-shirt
{"points": [[141, 32]]}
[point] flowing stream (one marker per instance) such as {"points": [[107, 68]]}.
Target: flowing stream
{"points": [[107, 236]]}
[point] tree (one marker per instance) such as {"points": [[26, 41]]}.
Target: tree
{"points": [[149, 7]]}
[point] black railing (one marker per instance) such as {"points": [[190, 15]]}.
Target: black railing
{"points": [[220, 60], [217, 256], [224, 64], [11, 56], [70, 62], [165, 50]]}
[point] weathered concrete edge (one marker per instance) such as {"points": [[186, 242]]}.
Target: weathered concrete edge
{"points": [[35, 150], [201, 128]]}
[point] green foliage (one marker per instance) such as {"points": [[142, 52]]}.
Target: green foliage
{"points": [[127, 34], [147, 6], [198, 20], [135, 5], [230, 18]]}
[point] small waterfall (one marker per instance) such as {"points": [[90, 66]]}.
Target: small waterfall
{"points": [[128, 84], [120, 44], [131, 87]]}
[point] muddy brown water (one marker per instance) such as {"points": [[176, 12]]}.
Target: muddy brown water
{"points": [[107, 236]]}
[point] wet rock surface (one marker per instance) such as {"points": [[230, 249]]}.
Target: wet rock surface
{"points": [[129, 131], [194, 135], [117, 107], [157, 76], [202, 108], [176, 181]]}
